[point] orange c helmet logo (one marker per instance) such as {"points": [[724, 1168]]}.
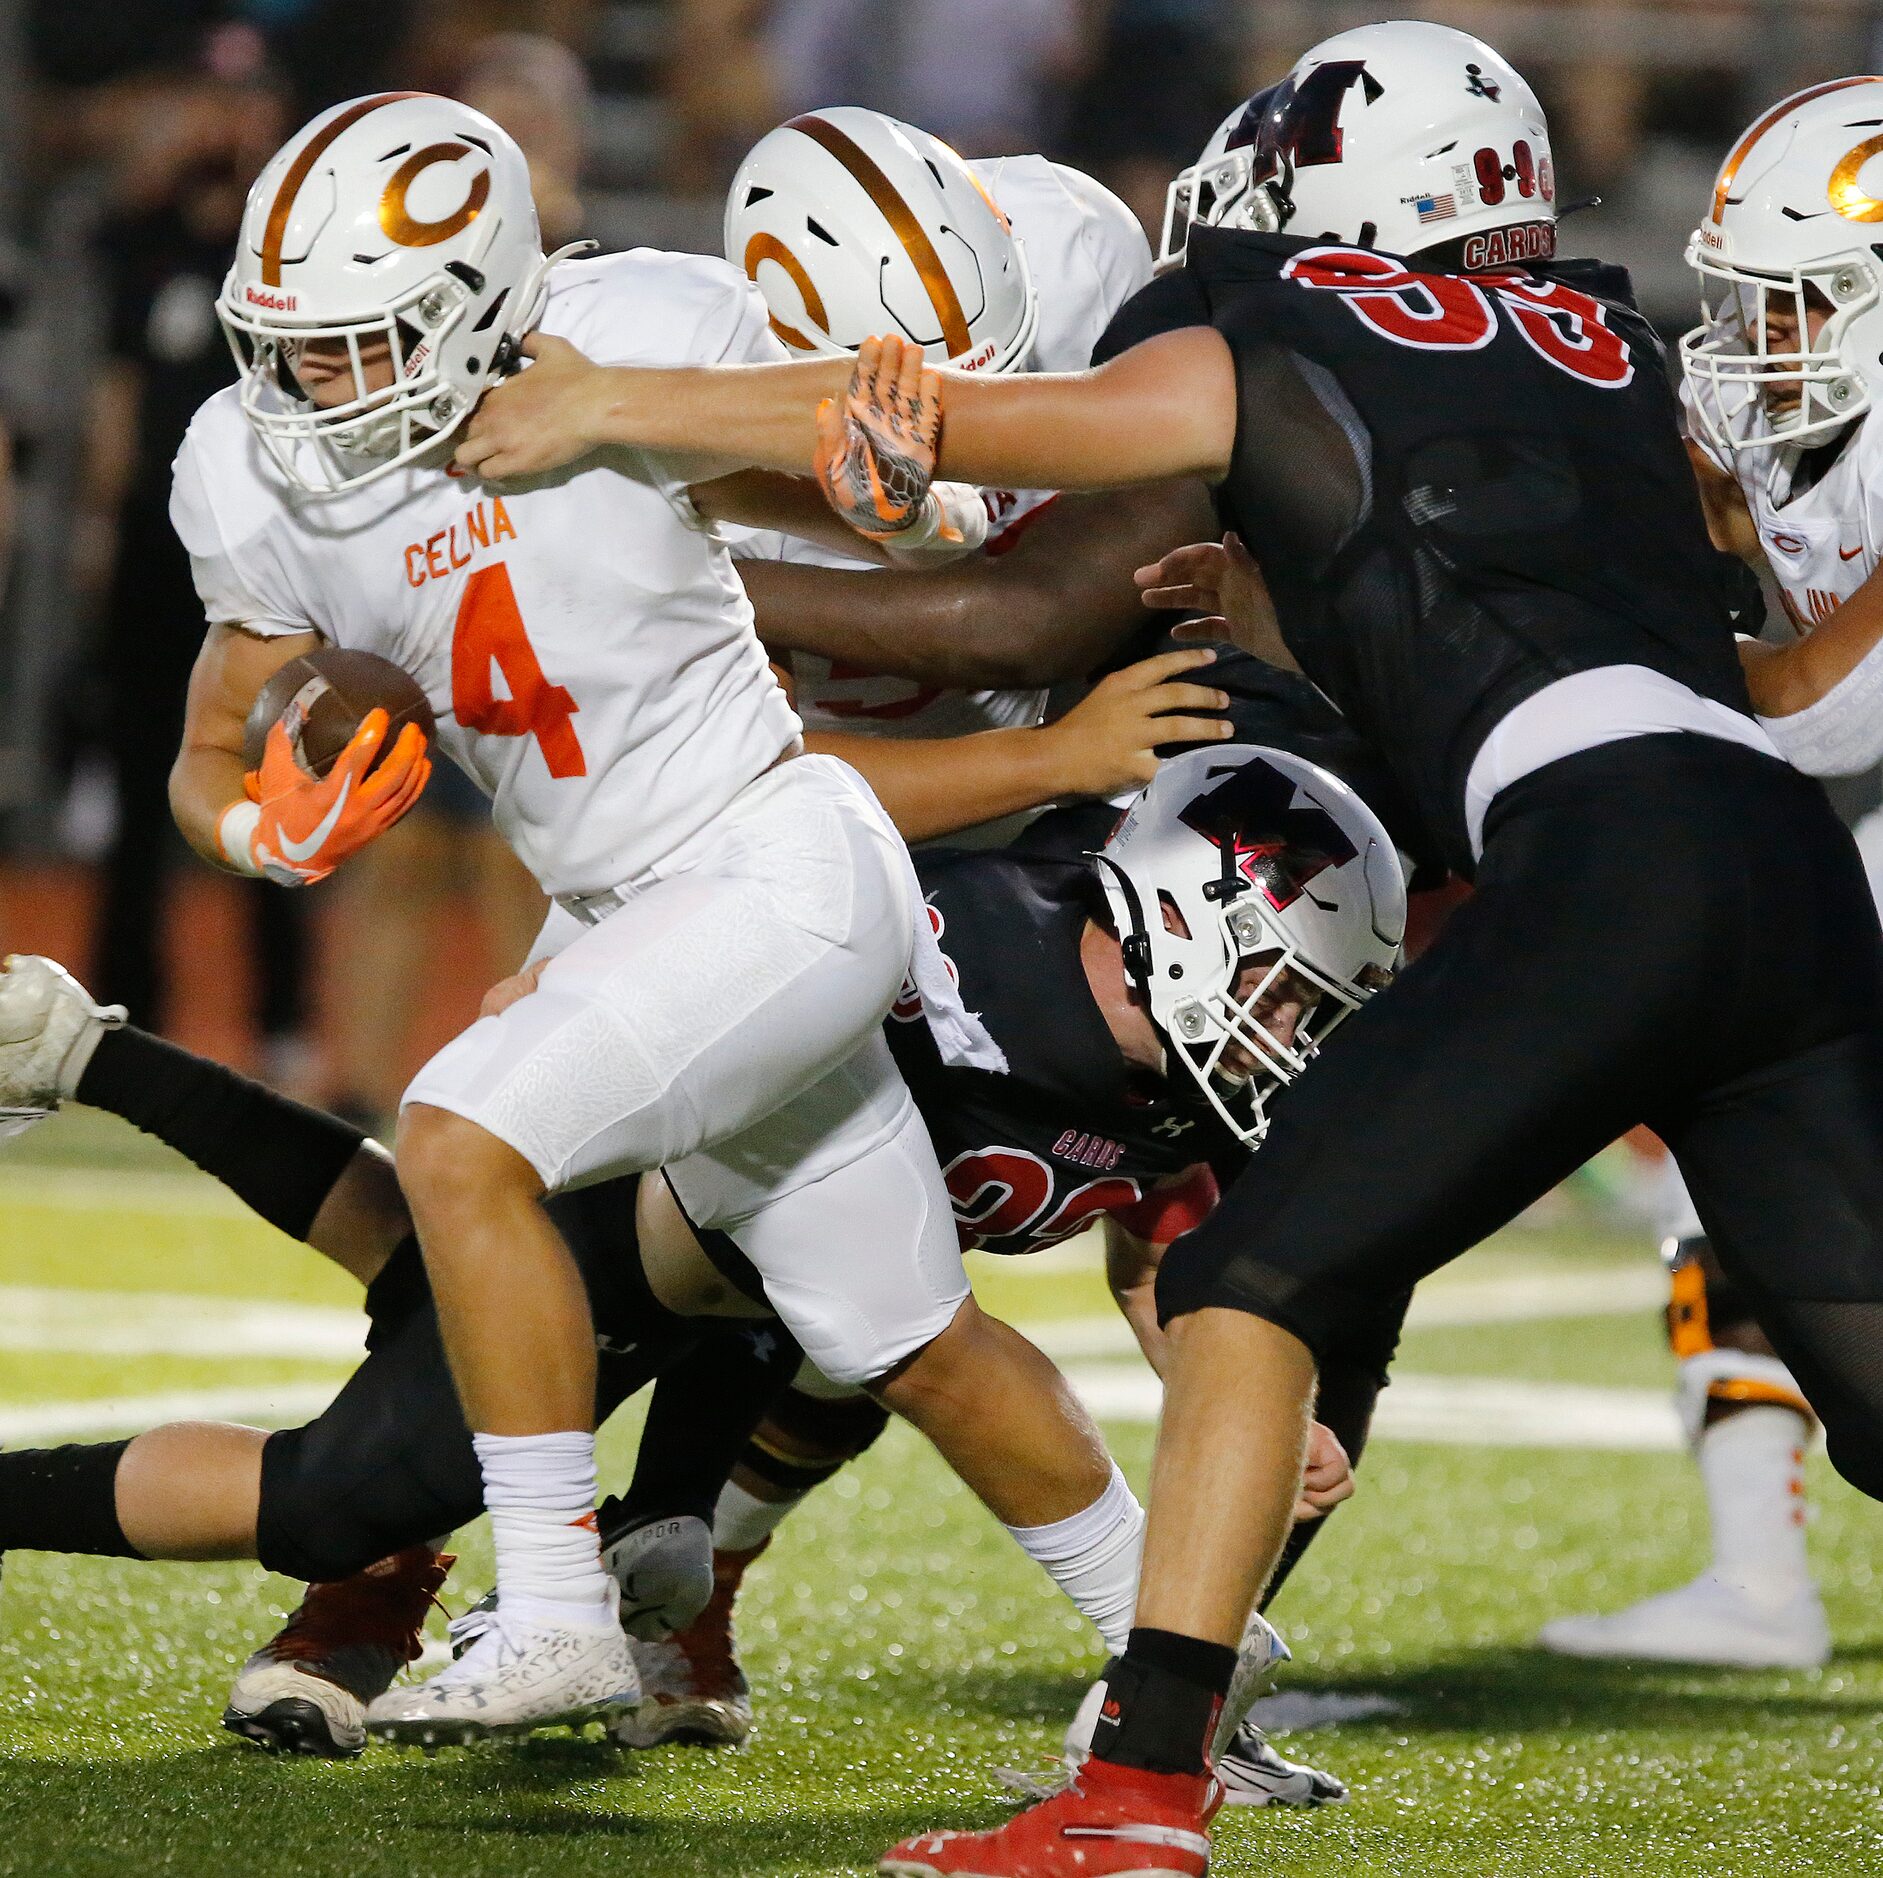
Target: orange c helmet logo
{"points": [[1848, 196], [764, 247], [399, 223]]}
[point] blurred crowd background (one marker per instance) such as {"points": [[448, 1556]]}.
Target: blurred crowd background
{"points": [[129, 131]]}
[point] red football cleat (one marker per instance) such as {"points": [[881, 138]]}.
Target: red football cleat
{"points": [[1112, 1822]]}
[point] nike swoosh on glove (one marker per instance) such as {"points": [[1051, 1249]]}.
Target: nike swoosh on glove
{"points": [[309, 824], [877, 444]]}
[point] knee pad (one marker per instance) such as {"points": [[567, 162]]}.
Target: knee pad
{"points": [[1702, 1304], [804, 1439], [320, 1521]]}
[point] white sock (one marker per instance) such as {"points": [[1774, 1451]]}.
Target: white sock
{"points": [[1093, 1558], [742, 1522], [540, 1490], [1753, 1465]]}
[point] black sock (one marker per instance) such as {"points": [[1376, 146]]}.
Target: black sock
{"points": [[281, 1157], [63, 1500], [703, 1412], [1161, 1702]]}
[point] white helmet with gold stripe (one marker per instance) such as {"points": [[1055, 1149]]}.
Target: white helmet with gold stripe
{"points": [[853, 224], [1790, 346], [397, 227]]}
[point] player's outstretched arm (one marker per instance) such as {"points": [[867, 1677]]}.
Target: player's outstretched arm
{"points": [[1164, 408], [1054, 604], [1821, 698], [1107, 743], [1221, 581]]}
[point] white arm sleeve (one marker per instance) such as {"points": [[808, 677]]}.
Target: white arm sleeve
{"points": [[1842, 733]]}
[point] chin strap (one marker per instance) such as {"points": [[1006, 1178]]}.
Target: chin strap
{"points": [[508, 355]]}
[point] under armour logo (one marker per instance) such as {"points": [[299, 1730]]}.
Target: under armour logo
{"points": [[1480, 86], [764, 1345], [1172, 1126]]}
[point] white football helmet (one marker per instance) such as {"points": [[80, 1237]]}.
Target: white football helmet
{"points": [[402, 218], [1398, 136], [1238, 867], [1789, 233], [853, 224]]}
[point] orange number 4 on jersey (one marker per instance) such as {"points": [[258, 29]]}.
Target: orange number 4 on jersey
{"points": [[490, 631]]}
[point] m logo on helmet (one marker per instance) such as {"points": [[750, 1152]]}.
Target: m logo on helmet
{"points": [[1274, 845], [397, 220], [1302, 121]]}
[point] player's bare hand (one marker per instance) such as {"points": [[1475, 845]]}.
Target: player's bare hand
{"points": [[1329, 1476], [309, 824], [877, 444], [1109, 740], [507, 991], [1220, 580], [540, 418]]}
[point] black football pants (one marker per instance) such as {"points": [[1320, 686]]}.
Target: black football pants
{"points": [[390, 1463], [1670, 930]]}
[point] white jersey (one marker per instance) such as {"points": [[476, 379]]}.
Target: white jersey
{"points": [[1087, 255], [1823, 544], [582, 636]]}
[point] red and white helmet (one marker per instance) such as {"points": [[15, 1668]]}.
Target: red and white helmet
{"points": [[1244, 855], [1788, 231], [1399, 136], [854, 224], [401, 216]]}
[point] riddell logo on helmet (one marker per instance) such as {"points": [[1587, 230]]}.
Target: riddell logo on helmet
{"points": [[1527, 241], [976, 361], [274, 302]]}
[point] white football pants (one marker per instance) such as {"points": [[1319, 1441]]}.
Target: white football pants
{"points": [[723, 1021]]}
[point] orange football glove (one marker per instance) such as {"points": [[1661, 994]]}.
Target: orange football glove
{"points": [[308, 824], [876, 446]]}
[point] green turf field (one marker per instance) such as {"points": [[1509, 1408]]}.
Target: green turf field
{"points": [[901, 1648]]}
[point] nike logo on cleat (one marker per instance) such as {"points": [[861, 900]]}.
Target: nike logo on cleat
{"points": [[1849, 554]]}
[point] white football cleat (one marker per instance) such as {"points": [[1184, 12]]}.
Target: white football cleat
{"points": [[694, 1692], [49, 1026], [665, 1571], [513, 1679], [1708, 1623], [1252, 1772], [1262, 1652], [306, 1689]]}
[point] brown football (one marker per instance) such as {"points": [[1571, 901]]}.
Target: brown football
{"points": [[320, 699]]}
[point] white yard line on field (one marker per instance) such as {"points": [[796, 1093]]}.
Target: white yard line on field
{"points": [[1453, 1411], [266, 1405], [119, 1190], [1449, 1303], [160, 1323]]}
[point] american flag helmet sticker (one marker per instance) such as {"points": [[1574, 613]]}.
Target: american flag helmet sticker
{"points": [[1435, 208]]}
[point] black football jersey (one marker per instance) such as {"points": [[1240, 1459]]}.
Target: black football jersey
{"points": [[1460, 487], [1072, 1131]]}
